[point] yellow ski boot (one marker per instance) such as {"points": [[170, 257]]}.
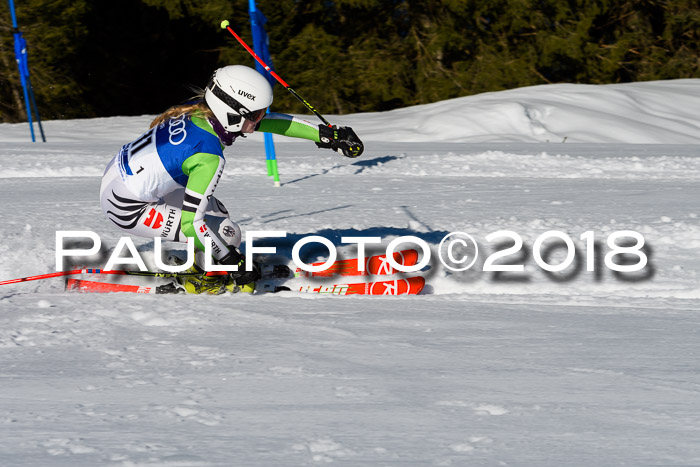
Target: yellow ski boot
{"points": [[210, 285]]}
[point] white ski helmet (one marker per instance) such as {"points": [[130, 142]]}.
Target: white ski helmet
{"points": [[235, 93]]}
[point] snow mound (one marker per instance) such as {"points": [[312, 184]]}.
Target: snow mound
{"points": [[655, 112], [659, 112]]}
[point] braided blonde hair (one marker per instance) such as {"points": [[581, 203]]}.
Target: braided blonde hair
{"points": [[199, 108]]}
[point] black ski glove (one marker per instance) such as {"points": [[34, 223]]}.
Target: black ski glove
{"points": [[240, 277], [341, 139]]}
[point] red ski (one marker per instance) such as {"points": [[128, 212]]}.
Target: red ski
{"points": [[411, 286], [80, 285], [278, 278], [377, 265]]}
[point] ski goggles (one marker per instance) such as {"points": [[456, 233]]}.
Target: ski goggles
{"points": [[253, 117]]}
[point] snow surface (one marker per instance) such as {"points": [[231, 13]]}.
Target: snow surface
{"points": [[584, 368]]}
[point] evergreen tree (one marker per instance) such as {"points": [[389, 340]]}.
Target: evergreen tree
{"points": [[52, 47], [141, 56]]}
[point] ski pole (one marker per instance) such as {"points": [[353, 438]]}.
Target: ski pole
{"points": [[225, 25], [120, 273]]}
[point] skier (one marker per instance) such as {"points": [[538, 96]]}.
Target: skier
{"points": [[162, 184]]}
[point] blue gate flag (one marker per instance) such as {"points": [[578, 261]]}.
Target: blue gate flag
{"points": [[261, 43], [23, 66], [21, 56], [261, 46]]}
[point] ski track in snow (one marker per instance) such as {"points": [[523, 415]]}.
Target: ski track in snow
{"points": [[522, 369]]}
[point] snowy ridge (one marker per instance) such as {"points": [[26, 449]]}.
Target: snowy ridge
{"points": [[661, 112], [656, 112]]}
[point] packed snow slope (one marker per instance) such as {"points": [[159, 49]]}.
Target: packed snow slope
{"points": [[575, 367]]}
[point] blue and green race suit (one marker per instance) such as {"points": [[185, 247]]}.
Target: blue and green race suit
{"points": [[185, 152]]}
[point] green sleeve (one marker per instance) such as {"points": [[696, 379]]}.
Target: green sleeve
{"points": [[287, 125], [204, 171]]}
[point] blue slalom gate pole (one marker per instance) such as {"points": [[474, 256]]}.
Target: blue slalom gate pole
{"points": [[23, 66], [260, 46]]}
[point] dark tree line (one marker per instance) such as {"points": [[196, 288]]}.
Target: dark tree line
{"points": [[97, 58]]}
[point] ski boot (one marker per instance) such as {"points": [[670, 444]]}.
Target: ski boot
{"points": [[233, 287], [210, 285]]}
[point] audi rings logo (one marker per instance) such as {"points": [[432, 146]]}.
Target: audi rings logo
{"points": [[176, 127]]}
